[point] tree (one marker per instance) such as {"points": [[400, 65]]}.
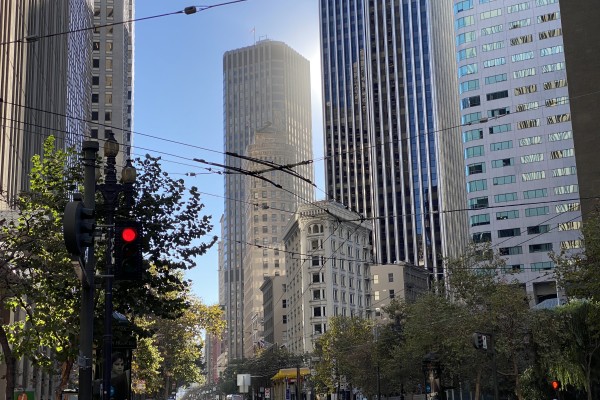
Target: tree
{"points": [[345, 356], [569, 340], [497, 305], [577, 271], [36, 273]]}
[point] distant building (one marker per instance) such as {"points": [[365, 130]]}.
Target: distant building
{"points": [[268, 210], [275, 312], [266, 86], [401, 281], [328, 253]]}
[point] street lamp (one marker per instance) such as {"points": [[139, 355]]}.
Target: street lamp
{"points": [[110, 191]]}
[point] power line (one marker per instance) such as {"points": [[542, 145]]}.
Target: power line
{"points": [[187, 11]]}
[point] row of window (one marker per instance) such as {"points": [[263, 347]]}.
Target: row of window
{"points": [[481, 184], [483, 202], [479, 168], [476, 134], [479, 151], [465, 5], [484, 219]]}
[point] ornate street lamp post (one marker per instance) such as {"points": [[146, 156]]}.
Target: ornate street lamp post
{"points": [[110, 191]]}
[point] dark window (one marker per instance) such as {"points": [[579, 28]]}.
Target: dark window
{"points": [[96, 63], [95, 97], [94, 115], [94, 133], [497, 95], [95, 80], [502, 233]]}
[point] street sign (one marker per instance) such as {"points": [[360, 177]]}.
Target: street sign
{"points": [[484, 341], [287, 394], [267, 393]]}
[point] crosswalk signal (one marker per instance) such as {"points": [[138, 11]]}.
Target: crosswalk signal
{"points": [[128, 251]]}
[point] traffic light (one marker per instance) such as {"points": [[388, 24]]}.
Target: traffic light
{"points": [[128, 251], [555, 385], [78, 227], [479, 341]]}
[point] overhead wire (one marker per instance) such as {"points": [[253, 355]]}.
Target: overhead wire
{"points": [[187, 11]]}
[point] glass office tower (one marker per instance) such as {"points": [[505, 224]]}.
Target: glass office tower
{"points": [[391, 125]]}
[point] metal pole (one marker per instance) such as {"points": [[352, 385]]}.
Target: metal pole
{"points": [[298, 382], [110, 192], [86, 318], [494, 368], [378, 383]]}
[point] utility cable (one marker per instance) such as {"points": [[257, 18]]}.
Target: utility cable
{"points": [[187, 11]]}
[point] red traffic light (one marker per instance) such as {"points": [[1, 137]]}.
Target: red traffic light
{"points": [[555, 385], [129, 234]]}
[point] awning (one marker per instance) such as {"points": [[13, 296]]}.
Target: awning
{"points": [[290, 373]]}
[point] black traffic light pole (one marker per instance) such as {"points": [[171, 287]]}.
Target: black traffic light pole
{"points": [[110, 192], [86, 318]]}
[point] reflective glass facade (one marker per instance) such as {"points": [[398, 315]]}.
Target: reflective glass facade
{"points": [[389, 105]]}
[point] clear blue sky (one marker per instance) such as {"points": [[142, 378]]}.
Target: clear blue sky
{"points": [[179, 89]]}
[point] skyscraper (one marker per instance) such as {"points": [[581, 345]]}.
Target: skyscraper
{"points": [[523, 192], [390, 124], [112, 74], [38, 94], [42, 80], [266, 85]]}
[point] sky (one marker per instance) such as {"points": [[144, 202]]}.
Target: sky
{"points": [[178, 91]]}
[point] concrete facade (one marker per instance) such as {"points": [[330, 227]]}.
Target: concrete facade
{"points": [[402, 281], [328, 253]]}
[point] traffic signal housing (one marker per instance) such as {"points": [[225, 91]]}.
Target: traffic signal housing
{"points": [[78, 227], [555, 385], [128, 251], [479, 341]]}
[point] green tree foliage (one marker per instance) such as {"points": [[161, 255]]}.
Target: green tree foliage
{"points": [[577, 272], [568, 338], [345, 354], [173, 227], [173, 353], [434, 324], [496, 305], [37, 278]]}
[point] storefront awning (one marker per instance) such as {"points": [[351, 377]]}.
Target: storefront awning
{"points": [[290, 373]]}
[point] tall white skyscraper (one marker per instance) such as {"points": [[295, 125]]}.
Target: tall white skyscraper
{"points": [[523, 193], [267, 89]]}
